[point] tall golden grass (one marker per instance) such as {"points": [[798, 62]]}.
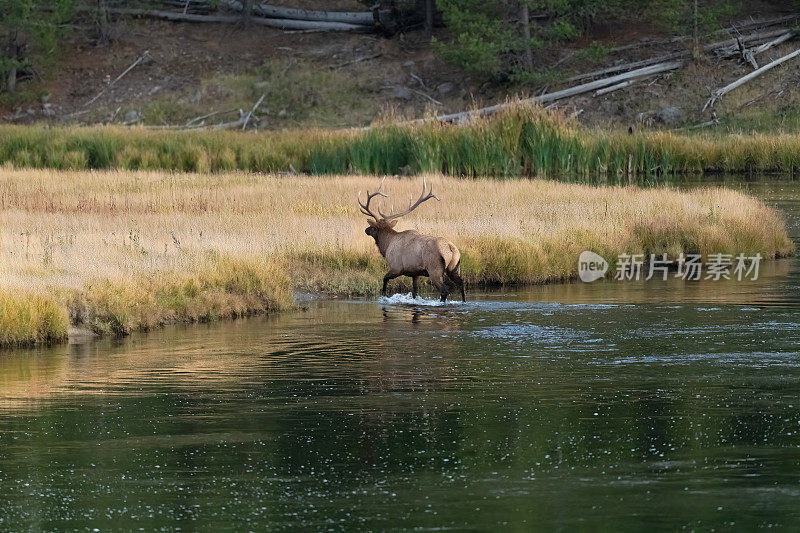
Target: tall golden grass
{"points": [[522, 140], [132, 250], [29, 317]]}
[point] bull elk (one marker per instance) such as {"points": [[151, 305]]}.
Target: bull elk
{"points": [[410, 253]]}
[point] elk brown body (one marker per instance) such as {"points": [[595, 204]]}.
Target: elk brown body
{"points": [[409, 253]]}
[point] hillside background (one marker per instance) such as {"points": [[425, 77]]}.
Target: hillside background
{"points": [[475, 54]]}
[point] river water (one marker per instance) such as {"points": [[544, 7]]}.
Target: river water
{"points": [[611, 406]]}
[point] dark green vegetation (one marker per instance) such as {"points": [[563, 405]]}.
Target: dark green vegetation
{"points": [[513, 40], [30, 31], [524, 140], [490, 54], [500, 40]]}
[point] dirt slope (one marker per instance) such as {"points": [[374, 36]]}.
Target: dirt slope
{"points": [[336, 80]]}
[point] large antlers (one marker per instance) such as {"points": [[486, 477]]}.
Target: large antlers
{"points": [[425, 196], [365, 208]]}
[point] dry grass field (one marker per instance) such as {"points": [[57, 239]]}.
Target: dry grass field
{"points": [[117, 251]]}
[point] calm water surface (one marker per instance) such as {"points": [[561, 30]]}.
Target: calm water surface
{"points": [[611, 406]]}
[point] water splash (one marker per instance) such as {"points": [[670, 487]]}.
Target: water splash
{"points": [[407, 299]]}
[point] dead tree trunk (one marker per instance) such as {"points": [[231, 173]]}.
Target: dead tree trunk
{"points": [[696, 36], [103, 26], [11, 85], [247, 13], [525, 30], [13, 55], [428, 18], [719, 93]]}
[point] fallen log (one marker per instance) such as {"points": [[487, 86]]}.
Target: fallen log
{"points": [[629, 66], [765, 23], [732, 49], [566, 93], [750, 24], [365, 18], [725, 48], [719, 93], [201, 119], [231, 125], [749, 55], [133, 65], [204, 7], [250, 114], [283, 24], [646, 68], [605, 82], [357, 60], [606, 90], [775, 42]]}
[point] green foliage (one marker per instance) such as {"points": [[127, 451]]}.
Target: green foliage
{"points": [[678, 15], [481, 36], [596, 51], [538, 77], [486, 37], [29, 33], [563, 30]]}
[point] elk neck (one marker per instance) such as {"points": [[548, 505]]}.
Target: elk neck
{"points": [[383, 238]]}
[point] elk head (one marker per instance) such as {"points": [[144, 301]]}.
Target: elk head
{"points": [[387, 222]]}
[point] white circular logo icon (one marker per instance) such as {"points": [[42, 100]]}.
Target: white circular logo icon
{"points": [[591, 267]]}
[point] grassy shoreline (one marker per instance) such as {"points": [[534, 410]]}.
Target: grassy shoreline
{"points": [[116, 252], [524, 140]]}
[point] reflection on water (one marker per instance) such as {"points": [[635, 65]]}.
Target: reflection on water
{"points": [[602, 406]]}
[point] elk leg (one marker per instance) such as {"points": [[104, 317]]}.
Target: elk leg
{"points": [[456, 278], [439, 280], [386, 278], [414, 288]]}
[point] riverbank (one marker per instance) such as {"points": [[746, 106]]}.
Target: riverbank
{"points": [[115, 252], [523, 140]]}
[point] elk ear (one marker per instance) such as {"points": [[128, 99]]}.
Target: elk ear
{"points": [[393, 223], [372, 223]]}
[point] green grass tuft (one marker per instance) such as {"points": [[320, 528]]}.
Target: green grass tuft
{"points": [[29, 319], [523, 140]]}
